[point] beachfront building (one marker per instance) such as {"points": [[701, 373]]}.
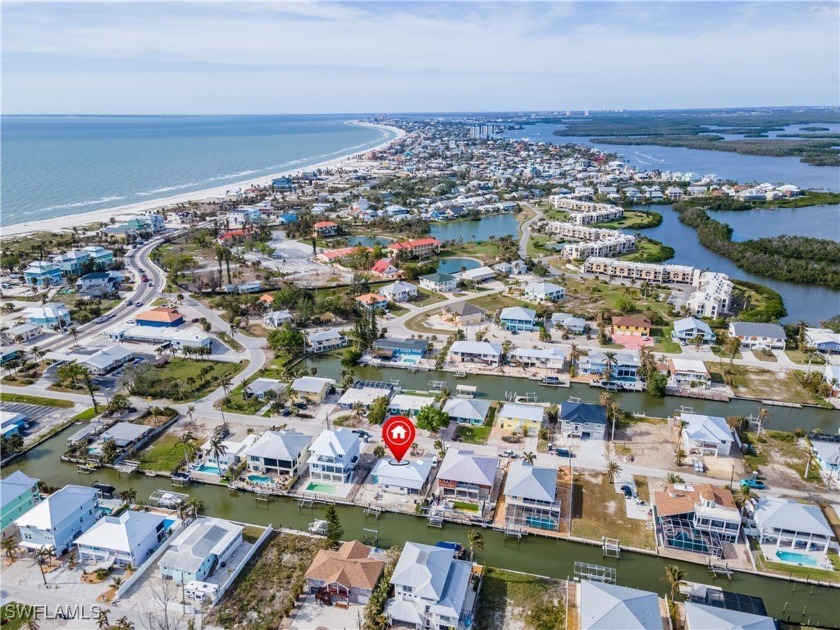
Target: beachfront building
{"points": [[51, 315], [18, 494], [431, 589], [75, 262], [399, 291], [334, 455], [466, 477], [324, 341], [518, 318], [630, 325], [312, 388], [544, 292], [347, 574], [200, 550], [623, 366], [604, 606], [463, 314], [531, 496], [439, 282], [758, 335], [521, 417], [690, 330], [42, 274], [482, 352], [59, 519], [689, 373], [789, 531], [584, 420], [407, 477], [706, 435], [127, 539], [278, 452], [467, 410]]}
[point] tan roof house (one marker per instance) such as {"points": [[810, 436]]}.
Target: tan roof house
{"points": [[347, 574]]}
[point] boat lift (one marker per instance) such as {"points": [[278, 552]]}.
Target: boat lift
{"points": [[371, 536], [611, 547], [596, 572]]}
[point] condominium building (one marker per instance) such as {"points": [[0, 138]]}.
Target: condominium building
{"points": [[713, 295], [680, 274]]}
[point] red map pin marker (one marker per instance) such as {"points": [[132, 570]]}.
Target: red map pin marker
{"points": [[398, 433]]}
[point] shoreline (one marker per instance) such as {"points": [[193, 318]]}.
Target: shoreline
{"points": [[102, 216]]}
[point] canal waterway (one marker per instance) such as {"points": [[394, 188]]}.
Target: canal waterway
{"points": [[496, 225], [456, 264], [742, 168], [813, 221], [533, 554], [803, 301], [495, 388]]}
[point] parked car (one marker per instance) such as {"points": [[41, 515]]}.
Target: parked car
{"points": [[628, 491], [507, 453], [563, 452], [300, 405], [754, 484], [286, 412], [361, 433]]}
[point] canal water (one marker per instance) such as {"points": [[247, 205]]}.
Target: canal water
{"points": [[479, 230], [803, 301], [456, 264], [533, 554], [813, 221], [495, 388], [743, 168]]}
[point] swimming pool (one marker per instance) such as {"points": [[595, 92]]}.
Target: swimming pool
{"points": [[168, 523], [258, 479], [798, 558], [323, 488], [211, 469]]}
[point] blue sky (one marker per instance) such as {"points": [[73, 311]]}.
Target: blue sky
{"points": [[192, 57]]}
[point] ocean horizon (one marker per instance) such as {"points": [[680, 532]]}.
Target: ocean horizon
{"points": [[66, 165]]}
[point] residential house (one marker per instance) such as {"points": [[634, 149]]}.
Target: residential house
{"points": [[334, 455], [463, 314], [831, 375], [399, 291], [759, 335], [278, 319], [408, 404], [59, 519], [325, 228], [586, 420], [398, 349], [125, 434], [431, 589], [826, 448], [515, 268], [365, 394], [160, 317], [312, 388], [49, 315], [689, 373], [531, 496], [262, 388], [278, 452], [439, 282], [690, 329], [624, 365], [603, 606], [703, 617], [518, 318], [574, 325], [789, 525], [521, 417], [216, 463], [707, 435], [21, 333], [476, 275], [467, 410], [385, 267], [127, 539], [546, 358], [324, 341], [42, 274], [200, 549], [631, 325], [704, 507], [348, 574], [467, 477], [824, 340], [18, 494], [544, 292], [483, 352], [75, 262], [373, 301], [107, 360], [99, 282], [405, 477]]}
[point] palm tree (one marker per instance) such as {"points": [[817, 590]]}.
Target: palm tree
{"points": [[196, 507], [529, 457], [574, 355], [190, 412], [123, 623], [187, 439], [763, 418], [10, 548], [475, 540], [128, 496], [75, 334], [674, 478], [612, 470], [218, 449], [609, 364], [102, 619], [742, 495], [116, 582], [44, 556], [675, 576]]}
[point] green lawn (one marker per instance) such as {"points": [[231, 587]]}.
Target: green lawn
{"points": [[181, 379], [536, 245], [14, 615], [463, 505], [230, 341], [648, 250], [797, 356], [767, 357], [663, 341], [476, 435], [485, 251], [165, 454], [84, 416], [397, 311], [35, 400], [424, 298], [634, 220], [492, 303], [516, 600], [418, 324]]}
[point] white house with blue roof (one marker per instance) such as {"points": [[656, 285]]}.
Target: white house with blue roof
{"points": [[60, 519], [689, 329], [531, 496], [129, 538], [706, 435], [518, 318]]}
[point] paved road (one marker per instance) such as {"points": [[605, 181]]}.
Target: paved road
{"points": [[526, 230]]}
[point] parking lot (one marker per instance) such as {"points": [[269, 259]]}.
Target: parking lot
{"points": [[40, 418]]}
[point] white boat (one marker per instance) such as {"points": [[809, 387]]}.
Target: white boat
{"points": [[318, 527]]}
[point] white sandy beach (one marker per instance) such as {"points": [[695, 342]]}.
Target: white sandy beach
{"points": [[75, 220]]}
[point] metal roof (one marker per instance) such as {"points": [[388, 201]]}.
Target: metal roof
{"points": [[525, 481], [771, 512], [467, 408], [607, 606], [121, 533], [202, 538], [467, 467], [702, 616], [285, 445], [57, 507], [583, 412]]}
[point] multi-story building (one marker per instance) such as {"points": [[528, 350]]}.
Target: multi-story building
{"points": [[278, 452], [483, 352], [521, 417], [543, 291], [689, 330], [708, 508], [759, 335], [334, 455], [18, 494], [325, 228], [623, 365], [467, 477], [50, 315], [200, 550], [609, 246], [518, 318], [677, 274], [127, 539], [586, 420], [324, 341], [418, 248], [347, 574], [531, 496], [713, 297], [42, 274], [59, 519], [631, 325], [74, 262], [439, 282]]}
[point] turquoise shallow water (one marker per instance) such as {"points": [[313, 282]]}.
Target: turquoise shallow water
{"points": [[55, 166]]}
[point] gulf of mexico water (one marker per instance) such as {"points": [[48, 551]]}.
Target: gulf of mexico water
{"points": [[55, 166]]}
